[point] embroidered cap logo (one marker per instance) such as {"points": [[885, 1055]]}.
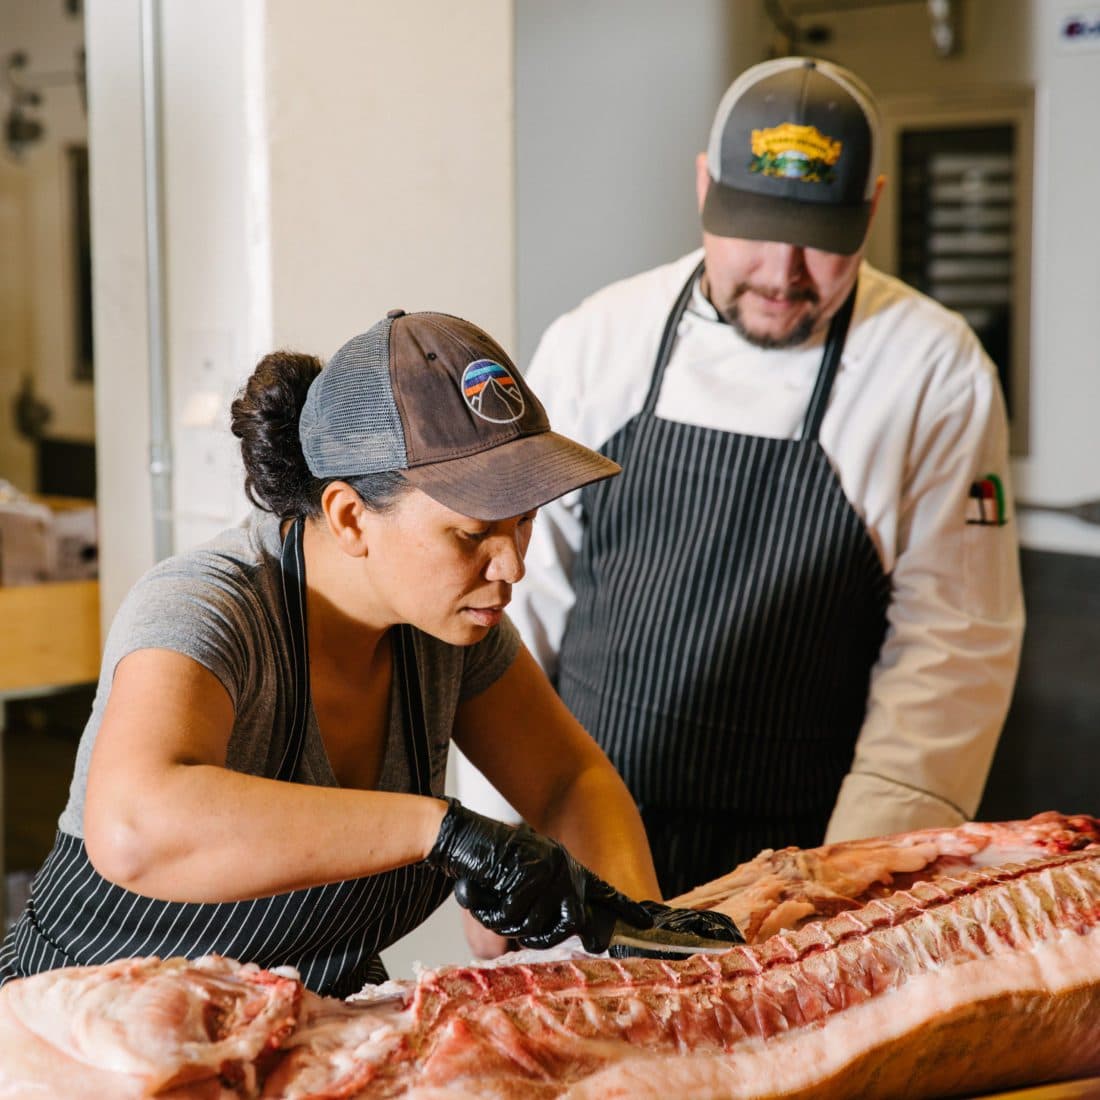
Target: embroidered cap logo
{"points": [[491, 392], [795, 152]]}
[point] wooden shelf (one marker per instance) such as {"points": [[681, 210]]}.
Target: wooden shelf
{"points": [[50, 635]]}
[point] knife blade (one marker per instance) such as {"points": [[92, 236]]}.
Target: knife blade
{"points": [[664, 942]]}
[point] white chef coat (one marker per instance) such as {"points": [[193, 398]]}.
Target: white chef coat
{"points": [[915, 418]]}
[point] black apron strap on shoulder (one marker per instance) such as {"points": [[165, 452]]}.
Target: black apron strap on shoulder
{"points": [[420, 762], [294, 604], [293, 564], [668, 339], [830, 361]]}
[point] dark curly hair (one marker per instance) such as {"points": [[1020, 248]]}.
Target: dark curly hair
{"points": [[264, 417]]}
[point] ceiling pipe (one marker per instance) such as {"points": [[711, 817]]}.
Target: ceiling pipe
{"points": [[819, 7], [160, 424]]}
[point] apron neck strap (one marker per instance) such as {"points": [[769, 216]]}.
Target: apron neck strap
{"points": [[830, 361], [668, 339], [416, 743], [293, 563]]}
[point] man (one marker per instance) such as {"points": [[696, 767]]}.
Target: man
{"points": [[796, 616]]}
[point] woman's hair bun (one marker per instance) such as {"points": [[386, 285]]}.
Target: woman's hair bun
{"points": [[264, 417]]}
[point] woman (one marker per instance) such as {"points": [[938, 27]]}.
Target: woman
{"points": [[262, 772]]}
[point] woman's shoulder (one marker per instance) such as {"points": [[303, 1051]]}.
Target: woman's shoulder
{"points": [[215, 595], [232, 564]]}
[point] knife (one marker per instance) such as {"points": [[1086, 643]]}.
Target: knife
{"points": [[663, 943]]}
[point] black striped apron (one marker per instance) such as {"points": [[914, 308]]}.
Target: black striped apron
{"points": [[729, 608], [332, 934]]}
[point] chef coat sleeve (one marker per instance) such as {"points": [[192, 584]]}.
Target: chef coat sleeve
{"points": [[941, 687]]}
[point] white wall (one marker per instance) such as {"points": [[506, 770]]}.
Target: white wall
{"points": [[391, 148], [1064, 464], [39, 299], [214, 227], [118, 275], [1006, 43], [613, 101], [300, 201], [216, 232]]}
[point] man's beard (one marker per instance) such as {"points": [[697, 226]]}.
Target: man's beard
{"points": [[797, 336]]}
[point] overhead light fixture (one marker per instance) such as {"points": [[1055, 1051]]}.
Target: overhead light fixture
{"points": [[945, 26], [784, 15]]}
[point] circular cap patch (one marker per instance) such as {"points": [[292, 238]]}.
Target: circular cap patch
{"points": [[492, 392]]}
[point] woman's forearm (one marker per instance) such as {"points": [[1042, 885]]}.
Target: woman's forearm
{"points": [[202, 833]]}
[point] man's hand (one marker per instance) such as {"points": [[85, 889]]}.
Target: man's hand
{"points": [[483, 943]]}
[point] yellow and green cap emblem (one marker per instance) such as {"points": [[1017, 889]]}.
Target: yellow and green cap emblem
{"points": [[790, 151]]}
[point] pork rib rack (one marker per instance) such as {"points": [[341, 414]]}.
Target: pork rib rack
{"points": [[988, 980]]}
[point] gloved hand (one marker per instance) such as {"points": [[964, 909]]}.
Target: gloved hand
{"points": [[520, 883], [694, 922]]}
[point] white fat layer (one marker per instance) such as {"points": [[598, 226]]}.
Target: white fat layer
{"points": [[799, 1059]]}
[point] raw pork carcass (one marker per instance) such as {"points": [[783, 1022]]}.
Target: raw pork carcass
{"points": [[986, 978], [785, 889]]}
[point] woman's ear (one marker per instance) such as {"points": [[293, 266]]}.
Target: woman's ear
{"points": [[347, 517]]}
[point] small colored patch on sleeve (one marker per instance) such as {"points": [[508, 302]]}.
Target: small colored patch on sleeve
{"points": [[985, 505]]}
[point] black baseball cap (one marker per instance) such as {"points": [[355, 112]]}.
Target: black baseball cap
{"points": [[438, 399], [792, 156]]}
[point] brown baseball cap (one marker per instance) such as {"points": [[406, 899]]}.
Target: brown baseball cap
{"points": [[438, 399]]}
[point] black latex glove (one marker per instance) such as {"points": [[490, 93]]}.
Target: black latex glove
{"points": [[522, 884], [695, 922]]}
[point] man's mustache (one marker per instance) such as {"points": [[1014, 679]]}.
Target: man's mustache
{"points": [[787, 294]]}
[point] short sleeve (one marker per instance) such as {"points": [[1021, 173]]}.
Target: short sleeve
{"points": [[190, 614]]}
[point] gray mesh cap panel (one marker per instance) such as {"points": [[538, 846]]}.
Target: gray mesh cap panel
{"points": [[349, 423]]}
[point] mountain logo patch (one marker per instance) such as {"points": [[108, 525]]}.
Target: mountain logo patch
{"points": [[492, 392]]}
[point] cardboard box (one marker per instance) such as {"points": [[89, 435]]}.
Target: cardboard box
{"points": [[76, 544], [26, 542], [47, 539]]}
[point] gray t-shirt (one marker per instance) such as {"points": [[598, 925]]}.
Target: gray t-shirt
{"points": [[221, 605]]}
